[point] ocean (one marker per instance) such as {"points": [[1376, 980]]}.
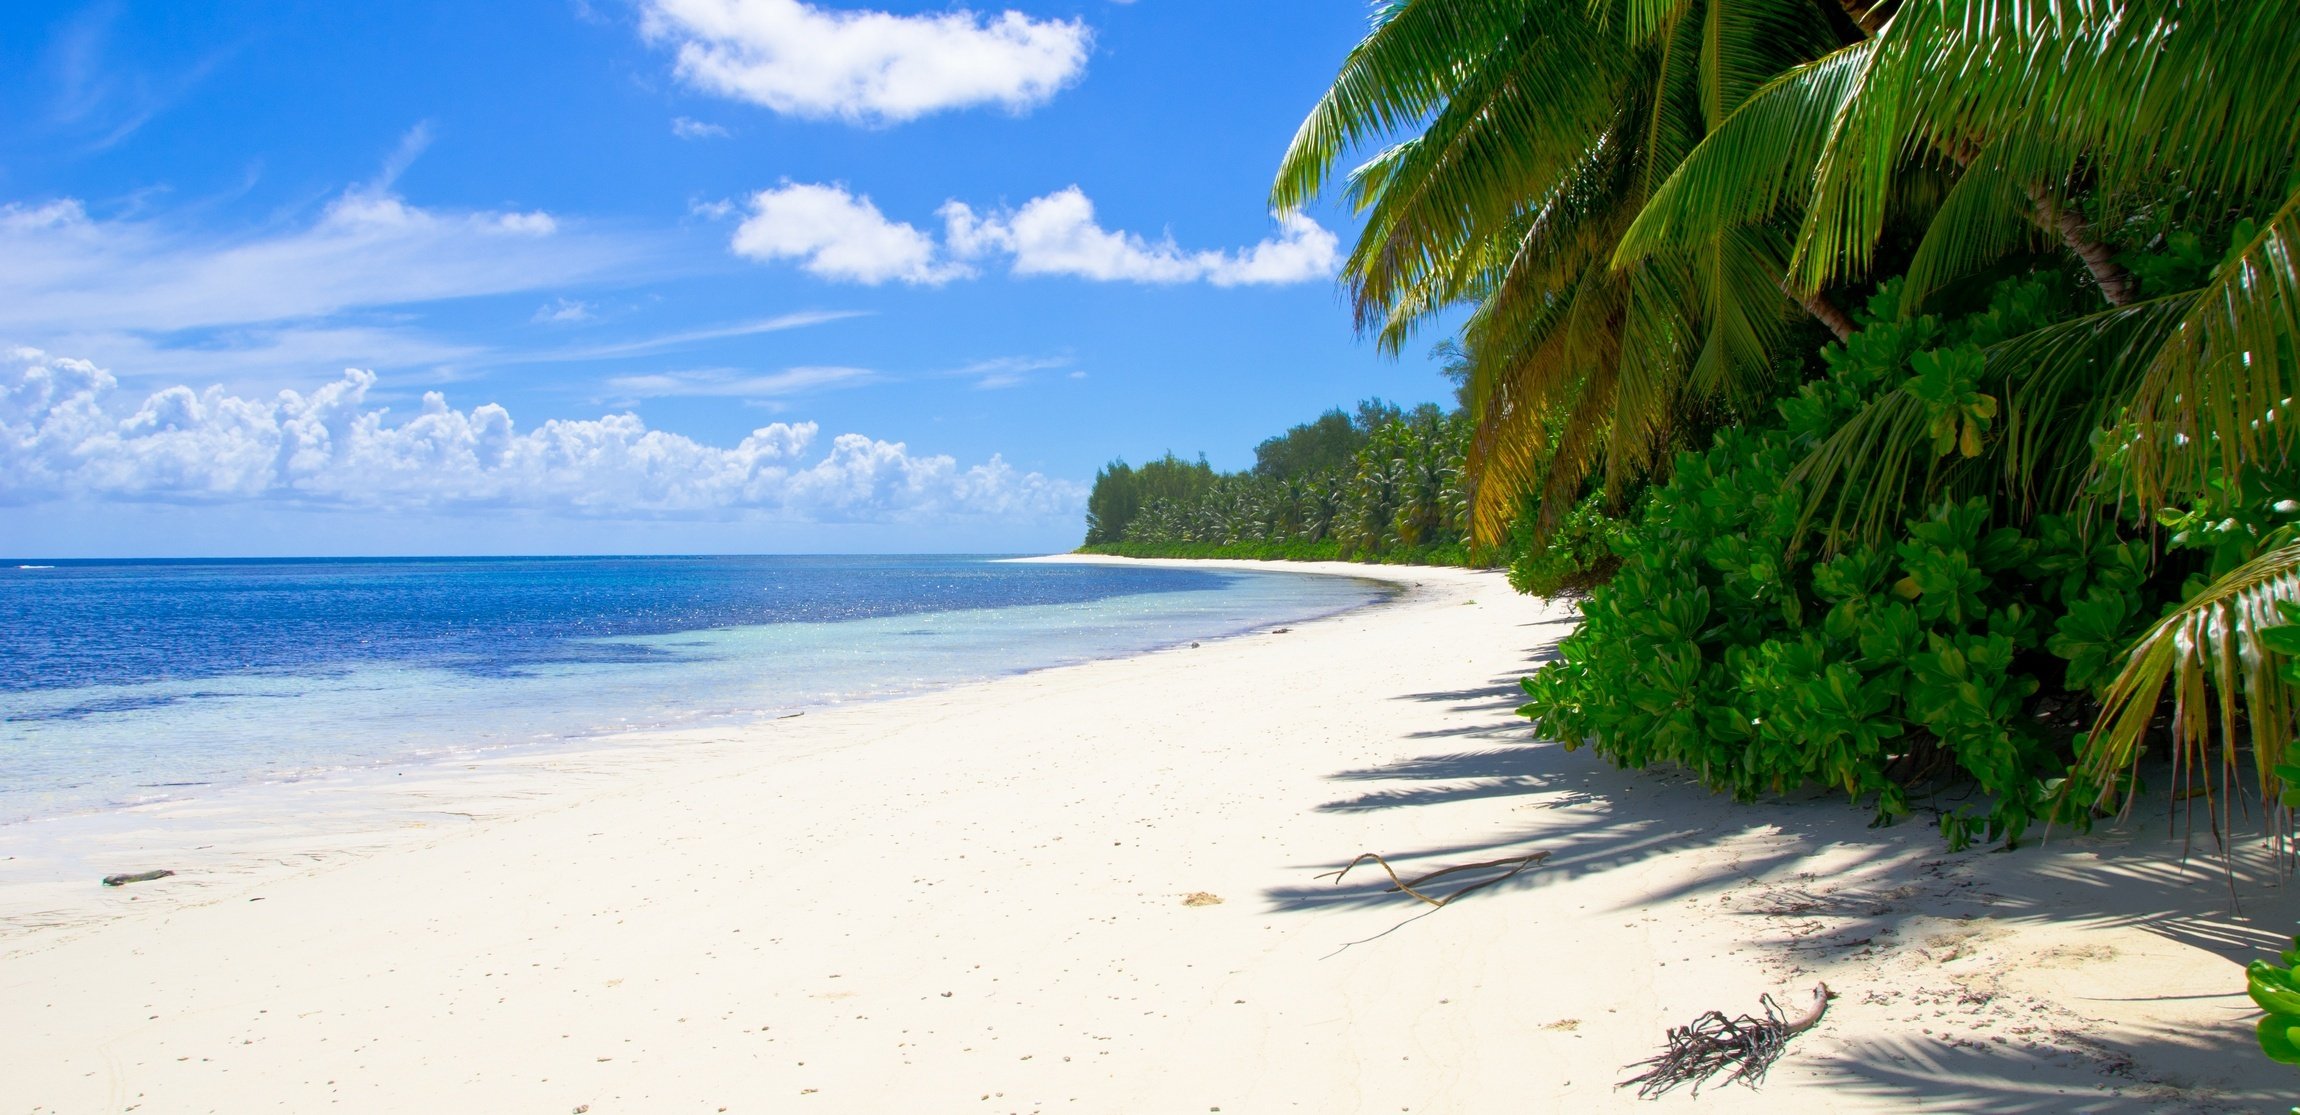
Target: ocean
{"points": [[130, 682]]}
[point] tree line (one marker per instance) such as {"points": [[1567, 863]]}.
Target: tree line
{"points": [[1377, 483]]}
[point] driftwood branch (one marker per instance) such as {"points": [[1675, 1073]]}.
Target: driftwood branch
{"points": [[1408, 885], [1740, 1048], [139, 877]]}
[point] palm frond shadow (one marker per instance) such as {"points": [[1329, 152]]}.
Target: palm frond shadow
{"points": [[1959, 1077], [1618, 819], [1502, 691]]}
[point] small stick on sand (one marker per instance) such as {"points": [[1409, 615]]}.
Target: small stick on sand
{"points": [[1408, 885]]}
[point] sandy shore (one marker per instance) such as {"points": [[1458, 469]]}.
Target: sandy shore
{"points": [[976, 901]]}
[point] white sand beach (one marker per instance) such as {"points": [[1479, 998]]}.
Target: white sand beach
{"points": [[977, 901]]}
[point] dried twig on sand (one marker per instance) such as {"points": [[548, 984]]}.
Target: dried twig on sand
{"points": [[1408, 885], [1741, 1048]]}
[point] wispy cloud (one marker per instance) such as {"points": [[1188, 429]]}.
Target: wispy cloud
{"points": [[62, 270], [1007, 371], [728, 383], [68, 432], [685, 128], [562, 311], [671, 341], [866, 66], [100, 99]]}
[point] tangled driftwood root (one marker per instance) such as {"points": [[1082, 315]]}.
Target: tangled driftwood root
{"points": [[1408, 885], [1740, 1048]]}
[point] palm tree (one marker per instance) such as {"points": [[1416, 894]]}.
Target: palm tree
{"points": [[1543, 128]]}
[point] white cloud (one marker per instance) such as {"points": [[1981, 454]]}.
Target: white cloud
{"points": [[1303, 250], [867, 66], [562, 311], [696, 129], [1058, 235], [836, 235], [682, 339], [63, 271], [732, 384], [1008, 371], [67, 431]]}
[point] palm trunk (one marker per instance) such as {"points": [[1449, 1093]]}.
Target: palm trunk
{"points": [[1818, 305], [2116, 283]]}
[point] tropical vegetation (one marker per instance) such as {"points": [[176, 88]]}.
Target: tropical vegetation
{"points": [[1930, 361], [1380, 484]]}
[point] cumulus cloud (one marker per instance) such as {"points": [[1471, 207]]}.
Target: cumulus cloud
{"points": [[1058, 235], [866, 66], [67, 431], [837, 235], [696, 129]]}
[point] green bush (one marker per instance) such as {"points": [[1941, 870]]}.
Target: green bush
{"points": [[1577, 555], [1961, 647]]}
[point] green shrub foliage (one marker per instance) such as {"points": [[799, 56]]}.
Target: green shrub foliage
{"points": [[1967, 645]]}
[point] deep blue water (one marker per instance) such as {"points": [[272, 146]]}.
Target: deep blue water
{"points": [[122, 681], [107, 623]]}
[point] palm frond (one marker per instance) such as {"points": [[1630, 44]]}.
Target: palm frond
{"points": [[1758, 163], [1392, 80], [1985, 215], [2218, 394], [2210, 652], [1866, 469]]}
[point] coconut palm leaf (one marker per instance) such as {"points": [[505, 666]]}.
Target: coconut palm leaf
{"points": [[1405, 69], [1758, 163], [2210, 653], [2218, 393], [1985, 215]]}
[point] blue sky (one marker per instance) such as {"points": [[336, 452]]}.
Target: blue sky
{"points": [[649, 275]]}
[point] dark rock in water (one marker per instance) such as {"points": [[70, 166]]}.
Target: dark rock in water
{"points": [[139, 877]]}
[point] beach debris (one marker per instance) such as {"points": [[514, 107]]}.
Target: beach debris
{"points": [[791, 715], [1280, 630], [1514, 863], [1193, 646], [1740, 1048], [1201, 898], [138, 877]]}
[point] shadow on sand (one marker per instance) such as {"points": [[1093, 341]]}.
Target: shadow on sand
{"points": [[1593, 819]]}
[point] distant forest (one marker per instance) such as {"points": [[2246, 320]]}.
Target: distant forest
{"points": [[1377, 483]]}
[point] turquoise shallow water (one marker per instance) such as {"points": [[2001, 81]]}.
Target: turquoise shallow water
{"points": [[126, 683]]}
